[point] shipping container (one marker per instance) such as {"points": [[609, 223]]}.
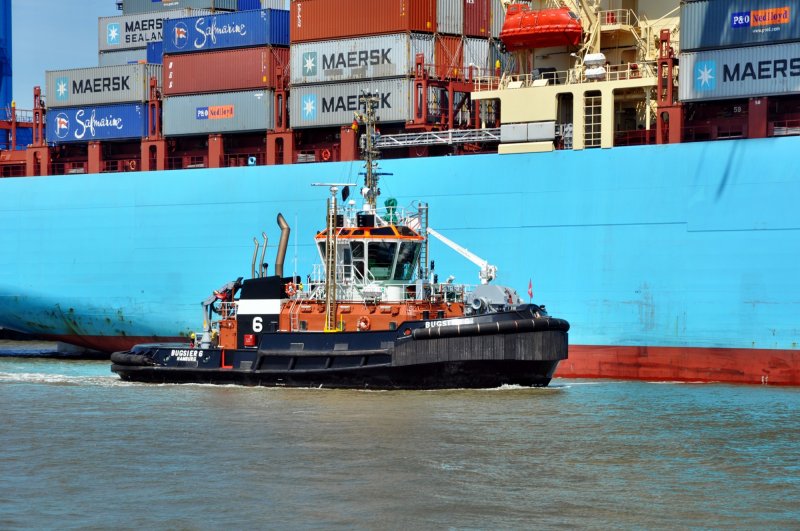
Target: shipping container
{"points": [[752, 71], [101, 85], [333, 104], [450, 17], [122, 57], [155, 52], [224, 71], [477, 18], [476, 54], [132, 7], [320, 20], [223, 112], [265, 27], [246, 5], [497, 18], [449, 57], [90, 123], [136, 31], [378, 56], [724, 23]]}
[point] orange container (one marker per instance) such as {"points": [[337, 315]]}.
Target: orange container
{"points": [[449, 56], [223, 71], [319, 20]]}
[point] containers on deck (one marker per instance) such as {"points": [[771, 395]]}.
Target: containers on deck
{"points": [[740, 72], [100, 85], [136, 31], [376, 56], [130, 7], [319, 20], [711, 24], [227, 112], [228, 70], [227, 30], [101, 122]]}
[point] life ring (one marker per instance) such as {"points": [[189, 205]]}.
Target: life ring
{"points": [[290, 289], [132, 165], [326, 154], [363, 323]]}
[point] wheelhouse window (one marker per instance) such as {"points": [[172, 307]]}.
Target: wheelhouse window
{"points": [[406, 258], [380, 258]]}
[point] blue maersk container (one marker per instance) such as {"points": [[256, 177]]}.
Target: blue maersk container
{"points": [[263, 27], [102, 122]]}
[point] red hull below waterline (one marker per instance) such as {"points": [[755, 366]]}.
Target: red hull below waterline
{"points": [[749, 366], [746, 366]]}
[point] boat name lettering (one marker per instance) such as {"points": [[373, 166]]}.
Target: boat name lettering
{"points": [[761, 70], [186, 355], [449, 322], [93, 122], [101, 84], [356, 59], [213, 30], [350, 103]]}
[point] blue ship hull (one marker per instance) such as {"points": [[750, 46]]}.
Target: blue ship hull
{"points": [[677, 253]]}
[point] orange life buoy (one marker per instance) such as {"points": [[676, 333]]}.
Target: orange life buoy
{"points": [[326, 154], [290, 289], [363, 323], [132, 165]]}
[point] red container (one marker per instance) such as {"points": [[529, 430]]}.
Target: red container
{"points": [[449, 57], [319, 20], [223, 71], [477, 18]]}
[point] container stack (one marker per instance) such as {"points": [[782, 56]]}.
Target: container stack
{"points": [[100, 103], [135, 38], [341, 48], [220, 71], [735, 50], [135, 7]]}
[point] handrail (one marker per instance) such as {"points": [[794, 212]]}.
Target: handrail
{"points": [[615, 72]]}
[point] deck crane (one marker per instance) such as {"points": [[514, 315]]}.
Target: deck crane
{"points": [[487, 273]]}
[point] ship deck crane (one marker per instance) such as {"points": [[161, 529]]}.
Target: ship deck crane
{"points": [[487, 273]]}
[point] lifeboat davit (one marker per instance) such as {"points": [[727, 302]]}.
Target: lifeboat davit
{"points": [[526, 28]]}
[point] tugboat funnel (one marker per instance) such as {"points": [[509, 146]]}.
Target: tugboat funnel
{"points": [[284, 242]]}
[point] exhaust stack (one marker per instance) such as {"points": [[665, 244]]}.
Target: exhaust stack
{"points": [[282, 244]]}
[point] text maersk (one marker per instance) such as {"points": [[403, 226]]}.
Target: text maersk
{"points": [[350, 103], [101, 84], [144, 31], [761, 70], [356, 59]]}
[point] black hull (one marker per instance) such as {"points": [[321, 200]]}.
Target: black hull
{"points": [[448, 375], [498, 350]]}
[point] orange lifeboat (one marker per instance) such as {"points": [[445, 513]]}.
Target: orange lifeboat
{"points": [[526, 28]]}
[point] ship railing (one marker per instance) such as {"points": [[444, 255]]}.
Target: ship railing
{"points": [[614, 72], [244, 159], [617, 17], [784, 128], [20, 114]]}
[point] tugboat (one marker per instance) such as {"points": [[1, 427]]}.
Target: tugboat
{"points": [[373, 315]]}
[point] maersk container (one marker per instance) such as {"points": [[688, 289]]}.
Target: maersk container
{"points": [[710, 24], [155, 52], [377, 56], [223, 112], [224, 71], [264, 27], [136, 31], [101, 85], [740, 72], [131, 7], [122, 57], [101, 122], [321, 20], [333, 104], [450, 17], [477, 18]]}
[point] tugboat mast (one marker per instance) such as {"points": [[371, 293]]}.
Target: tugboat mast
{"points": [[371, 154]]}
